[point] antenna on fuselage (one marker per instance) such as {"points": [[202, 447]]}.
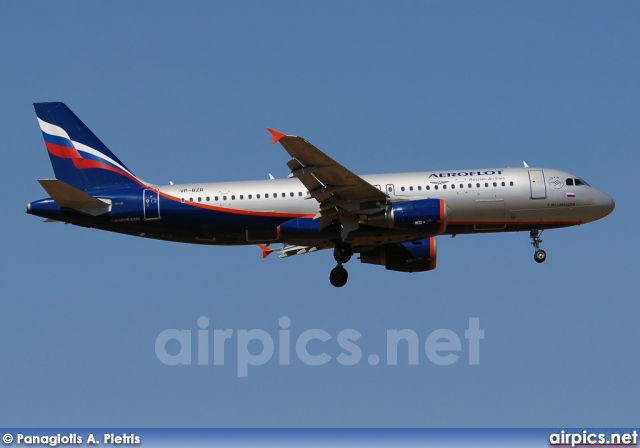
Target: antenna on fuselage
{"points": [[271, 177], [525, 164]]}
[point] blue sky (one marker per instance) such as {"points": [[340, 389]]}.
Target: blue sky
{"points": [[183, 91]]}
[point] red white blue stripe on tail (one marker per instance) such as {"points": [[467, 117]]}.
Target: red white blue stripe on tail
{"points": [[78, 157]]}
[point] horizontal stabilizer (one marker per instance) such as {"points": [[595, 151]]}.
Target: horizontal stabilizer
{"points": [[66, 196]]}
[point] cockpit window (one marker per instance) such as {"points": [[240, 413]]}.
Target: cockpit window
{"points": [[576, 182]]}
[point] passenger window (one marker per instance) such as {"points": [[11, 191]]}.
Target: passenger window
{"points": [[300, 193], [401, 188], [419, 187], [503, 184], [469, 186], [477, 185], [208, 199], [435, 187], [182, 200], [486, 184], [257, 196], [453, 186], [216, 198], [410, 188], [199, 199], [266, 195], [233, 197], [511, 183], [569, 182], [428, 187], [444, 187], [241, 196], [190, 199], [249, 196], [224, 198]]}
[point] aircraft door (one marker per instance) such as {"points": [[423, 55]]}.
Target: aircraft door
{"points": [[151, 204], [538, 186]]}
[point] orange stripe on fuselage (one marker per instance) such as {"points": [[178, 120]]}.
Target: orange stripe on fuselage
{"points": [[515, 223], [236, 211]]}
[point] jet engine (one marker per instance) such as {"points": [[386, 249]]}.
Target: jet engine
{"points": [[412, 256], [428, 215]]}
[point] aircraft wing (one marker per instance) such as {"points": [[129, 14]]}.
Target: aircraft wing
{"points": [[328, 182]]}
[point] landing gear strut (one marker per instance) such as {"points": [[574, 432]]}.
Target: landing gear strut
{"points": [[539, 255], [342, 254]]}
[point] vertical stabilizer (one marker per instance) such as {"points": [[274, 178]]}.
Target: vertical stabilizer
{"points": [[78, 157]]}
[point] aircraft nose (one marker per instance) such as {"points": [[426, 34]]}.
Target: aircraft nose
{"points": [[607, 203]]}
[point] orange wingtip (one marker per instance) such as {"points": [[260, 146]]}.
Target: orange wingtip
{"points": [[276, 135], [265, 250]]}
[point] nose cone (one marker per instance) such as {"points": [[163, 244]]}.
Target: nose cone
{"points": [[606, 203]]}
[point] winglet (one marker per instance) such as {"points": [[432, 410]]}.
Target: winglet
{"points": [[276, 135], [265, 250]]}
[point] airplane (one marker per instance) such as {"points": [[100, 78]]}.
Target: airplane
{"points": [[390, 220]]}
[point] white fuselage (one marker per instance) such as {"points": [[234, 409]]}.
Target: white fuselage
{"points": [[486, 199]]}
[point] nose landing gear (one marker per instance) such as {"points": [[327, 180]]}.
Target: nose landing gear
{"points": [[539, 255]]}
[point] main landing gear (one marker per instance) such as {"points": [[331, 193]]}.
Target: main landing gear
{"points": [[342, 254], [539, 255]]}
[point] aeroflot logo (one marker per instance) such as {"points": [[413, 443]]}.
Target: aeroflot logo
{"points": [[467, 173]]}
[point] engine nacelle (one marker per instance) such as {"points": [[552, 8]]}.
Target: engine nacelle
{"points": [[428, 215], [300, 227], [413, 256]]}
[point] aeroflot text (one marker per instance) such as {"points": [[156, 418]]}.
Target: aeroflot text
{"points": [[257, 347], [467, 173]]}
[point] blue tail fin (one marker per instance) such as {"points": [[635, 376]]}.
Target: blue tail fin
{"points": [[78, 157]]}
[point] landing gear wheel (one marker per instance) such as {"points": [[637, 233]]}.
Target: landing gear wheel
{"points": [[338, 276], [540, 256], [342, 252]]}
